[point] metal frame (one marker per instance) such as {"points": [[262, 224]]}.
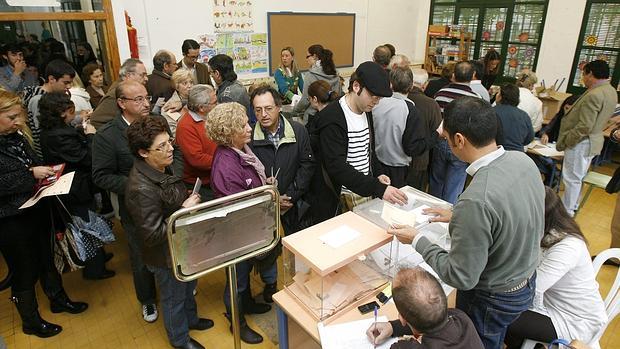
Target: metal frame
{"points": [[615, 78], [483, 5], [229, 265]]}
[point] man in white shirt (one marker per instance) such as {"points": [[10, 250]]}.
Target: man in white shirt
{"points": [[476, 83]]}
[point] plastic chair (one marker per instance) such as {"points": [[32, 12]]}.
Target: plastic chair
{"points": [[593, 179], [612, 300]]}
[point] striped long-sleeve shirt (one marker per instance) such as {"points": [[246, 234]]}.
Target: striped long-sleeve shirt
{"points": [[453, 91]]}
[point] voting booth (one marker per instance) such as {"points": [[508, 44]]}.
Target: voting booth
{"points": [[220, 233]]}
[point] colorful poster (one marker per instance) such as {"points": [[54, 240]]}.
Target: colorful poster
{"points": [[259, 59], [207, 47], [248, 50], [232, 16]]}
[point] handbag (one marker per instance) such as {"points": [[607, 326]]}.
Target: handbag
{"points": [[64, 250], [89, 236]]}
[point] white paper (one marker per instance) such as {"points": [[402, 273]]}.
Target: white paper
{"points": [[420, 217], [295, 99], [393, 215], [60, 187], [197, 186], [339, 236], [351, 335], [410, 202]]}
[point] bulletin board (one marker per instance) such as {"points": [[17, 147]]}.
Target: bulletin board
{"points": [[335, 31]]}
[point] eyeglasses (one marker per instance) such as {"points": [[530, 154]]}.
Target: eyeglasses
{"points": [[268, 109], [139, 99], [142, 75], [163, 146]]}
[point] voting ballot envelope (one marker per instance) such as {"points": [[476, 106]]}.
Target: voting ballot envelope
{"points": [[222, 232]]}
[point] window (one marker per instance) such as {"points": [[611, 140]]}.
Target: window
{"points": [[511, 27], [599, 39]]}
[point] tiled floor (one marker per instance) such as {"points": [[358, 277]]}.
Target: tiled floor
{"points": [[114, 318]]}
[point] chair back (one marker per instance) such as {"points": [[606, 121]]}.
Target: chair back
{"points": [[612, 300]]}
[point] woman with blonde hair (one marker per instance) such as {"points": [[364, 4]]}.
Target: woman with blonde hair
{"points": [[183, 81], [287, 76], [25, 238], [235, 168]]}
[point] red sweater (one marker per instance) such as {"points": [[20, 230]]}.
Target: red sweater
{"points": [[197, 149]]}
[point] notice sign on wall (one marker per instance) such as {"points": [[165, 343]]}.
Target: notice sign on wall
{"points": [[232, 16]]}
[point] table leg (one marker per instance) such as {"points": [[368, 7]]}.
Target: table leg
{"points": [[282, 327]]}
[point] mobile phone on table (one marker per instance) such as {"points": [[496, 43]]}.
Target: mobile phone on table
{"points": [[368, 307]]}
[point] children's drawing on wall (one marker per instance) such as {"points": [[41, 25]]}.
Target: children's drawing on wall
{"points": [[232, 16]]}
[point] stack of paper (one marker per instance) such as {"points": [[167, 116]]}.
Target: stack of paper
{"points": [[351, 335]]}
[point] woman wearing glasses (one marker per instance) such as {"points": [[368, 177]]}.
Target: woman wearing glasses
{"points": [[182, 81], [322, 67], [235, 168], [152, 195]]}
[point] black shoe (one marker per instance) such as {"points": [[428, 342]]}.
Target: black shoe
{"points": [[248, 335], [108, 256], [32, 323], [250, 306], [105, 275], [61, 303], [269, 291], [203, 324], [192, 344]]}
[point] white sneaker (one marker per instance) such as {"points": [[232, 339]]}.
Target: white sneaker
{"points": [[149, 312]]}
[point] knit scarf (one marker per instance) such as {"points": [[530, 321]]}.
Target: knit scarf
{"points": [[250, 158]]}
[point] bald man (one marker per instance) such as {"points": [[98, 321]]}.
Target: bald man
{"points": [[423, 314], [159, 84]]}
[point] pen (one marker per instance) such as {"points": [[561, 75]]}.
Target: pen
{"points": [[374, 342]]}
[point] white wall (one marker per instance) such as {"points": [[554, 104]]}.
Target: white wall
{"points": [[162, 26], [402, 23]]}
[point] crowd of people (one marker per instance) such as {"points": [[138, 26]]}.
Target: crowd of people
{"points": [[149, 137]]}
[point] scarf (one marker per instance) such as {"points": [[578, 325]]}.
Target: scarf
{"points": [[250, 158]]}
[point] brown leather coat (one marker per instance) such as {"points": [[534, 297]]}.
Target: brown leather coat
{"points": [[151, 197]]}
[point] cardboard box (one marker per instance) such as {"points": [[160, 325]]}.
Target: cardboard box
{"points": [[552, 100]]}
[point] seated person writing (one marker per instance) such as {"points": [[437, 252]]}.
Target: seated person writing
{"points": [[423, 314]]}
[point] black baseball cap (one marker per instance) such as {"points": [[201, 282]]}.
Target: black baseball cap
{"points": [[374, 78]]}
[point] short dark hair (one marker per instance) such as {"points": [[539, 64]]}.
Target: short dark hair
{"points": [[478, 68], [599, 69], [88, 70], [510, 94], [160, 58], [265, 88], [11, 47], [420, 300], [463, 72], [353, 78], [58, 68], [142, 133], [189, 44], [51, 107], [223, 64], [472, 117], [391, 48]]}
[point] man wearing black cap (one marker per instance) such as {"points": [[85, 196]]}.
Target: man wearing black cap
{"points": [[346, 140]]}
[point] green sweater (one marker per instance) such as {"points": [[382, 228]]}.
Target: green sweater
{"points": [[496, 228]]}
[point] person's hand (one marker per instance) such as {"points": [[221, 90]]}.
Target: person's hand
{"points": [[384, 179], [172, 106], [615, 120], [544, 139], [192, 200], [85, 114], [89, 129], [403, 233], [379, 332], [441, 214], [285, 203], [394, 196], [40, 172], [616, 135], [19, 67], [271, 180]]}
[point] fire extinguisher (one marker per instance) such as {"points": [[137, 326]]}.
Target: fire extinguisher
{"points": [[132, 34]]}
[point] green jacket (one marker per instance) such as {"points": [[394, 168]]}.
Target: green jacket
{"points": [[588, 118]]}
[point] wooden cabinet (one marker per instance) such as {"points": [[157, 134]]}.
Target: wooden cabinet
{"points": [[444, 44]]}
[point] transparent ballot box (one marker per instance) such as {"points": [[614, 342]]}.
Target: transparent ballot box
{"points": [[212, 234], [333, 270]]}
